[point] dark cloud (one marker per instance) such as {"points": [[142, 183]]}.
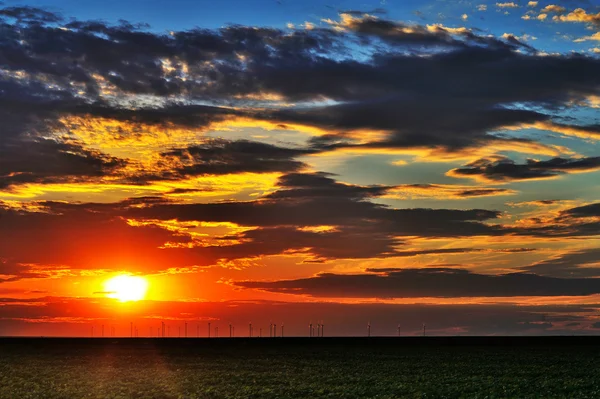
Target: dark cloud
{"points": [[459, 123], [220, 156], [481, 192], [583, 211], [445, 100], [307, 186], [359, 13], [400, 34], [315, 216], [400, 94], [56, 70], [57, 161], [441, 282], [28, 14], [502, 169], [576, 264], [10, 272], [50, 161], [344, 243], [316, 199], [573, 222]]}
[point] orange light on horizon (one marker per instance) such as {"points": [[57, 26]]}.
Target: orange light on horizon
{"points": [[126, 288]]}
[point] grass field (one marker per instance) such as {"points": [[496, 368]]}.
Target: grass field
{"points": [[300, 368]]}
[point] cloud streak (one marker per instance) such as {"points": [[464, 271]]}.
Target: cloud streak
{"points": [[502, 169], [440, 282]]}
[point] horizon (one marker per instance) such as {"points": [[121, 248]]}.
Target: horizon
{"points": [[250, 161]]}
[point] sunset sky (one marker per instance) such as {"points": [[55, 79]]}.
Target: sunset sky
{"points": [[283, 161]]}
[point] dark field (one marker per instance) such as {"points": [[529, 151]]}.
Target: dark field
{"points": [[560, 367]]}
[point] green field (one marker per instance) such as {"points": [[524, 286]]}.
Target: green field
{"points": [[297, 368]]}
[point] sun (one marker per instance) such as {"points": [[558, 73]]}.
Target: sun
{"points": [[126, 288]]}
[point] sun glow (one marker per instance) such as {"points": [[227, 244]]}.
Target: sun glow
{"points": [[126, 288]]}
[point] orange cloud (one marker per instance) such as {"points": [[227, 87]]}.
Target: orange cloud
{"points": [[578, 15], [444, 192], [595, 36], [567, 130], [552, 8]]}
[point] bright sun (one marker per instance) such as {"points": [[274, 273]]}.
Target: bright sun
{"points": [[126, 288]]}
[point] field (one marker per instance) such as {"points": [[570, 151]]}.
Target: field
{"points": [[565, 367]]}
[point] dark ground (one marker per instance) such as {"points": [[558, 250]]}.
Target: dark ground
{"points": [[412, 367]]}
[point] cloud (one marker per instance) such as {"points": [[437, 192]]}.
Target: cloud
{"points": [[219, 156], [322, 185], [595, 36], [156, 233], [153, 232], [417, 88], [585, 132], [314, 200], [581, 221], [45, 160], [532, 4], [444, 192], [576, 264], [502, 169], [583, 211], [578, 15], [553, 8], [434, 282], [507, 5], [370, 27], [359, 13], [482, 7], [524, 37], [10, 272], [247, 73]]}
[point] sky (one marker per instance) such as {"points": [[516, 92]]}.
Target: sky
{"points": [[350, 163]]}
